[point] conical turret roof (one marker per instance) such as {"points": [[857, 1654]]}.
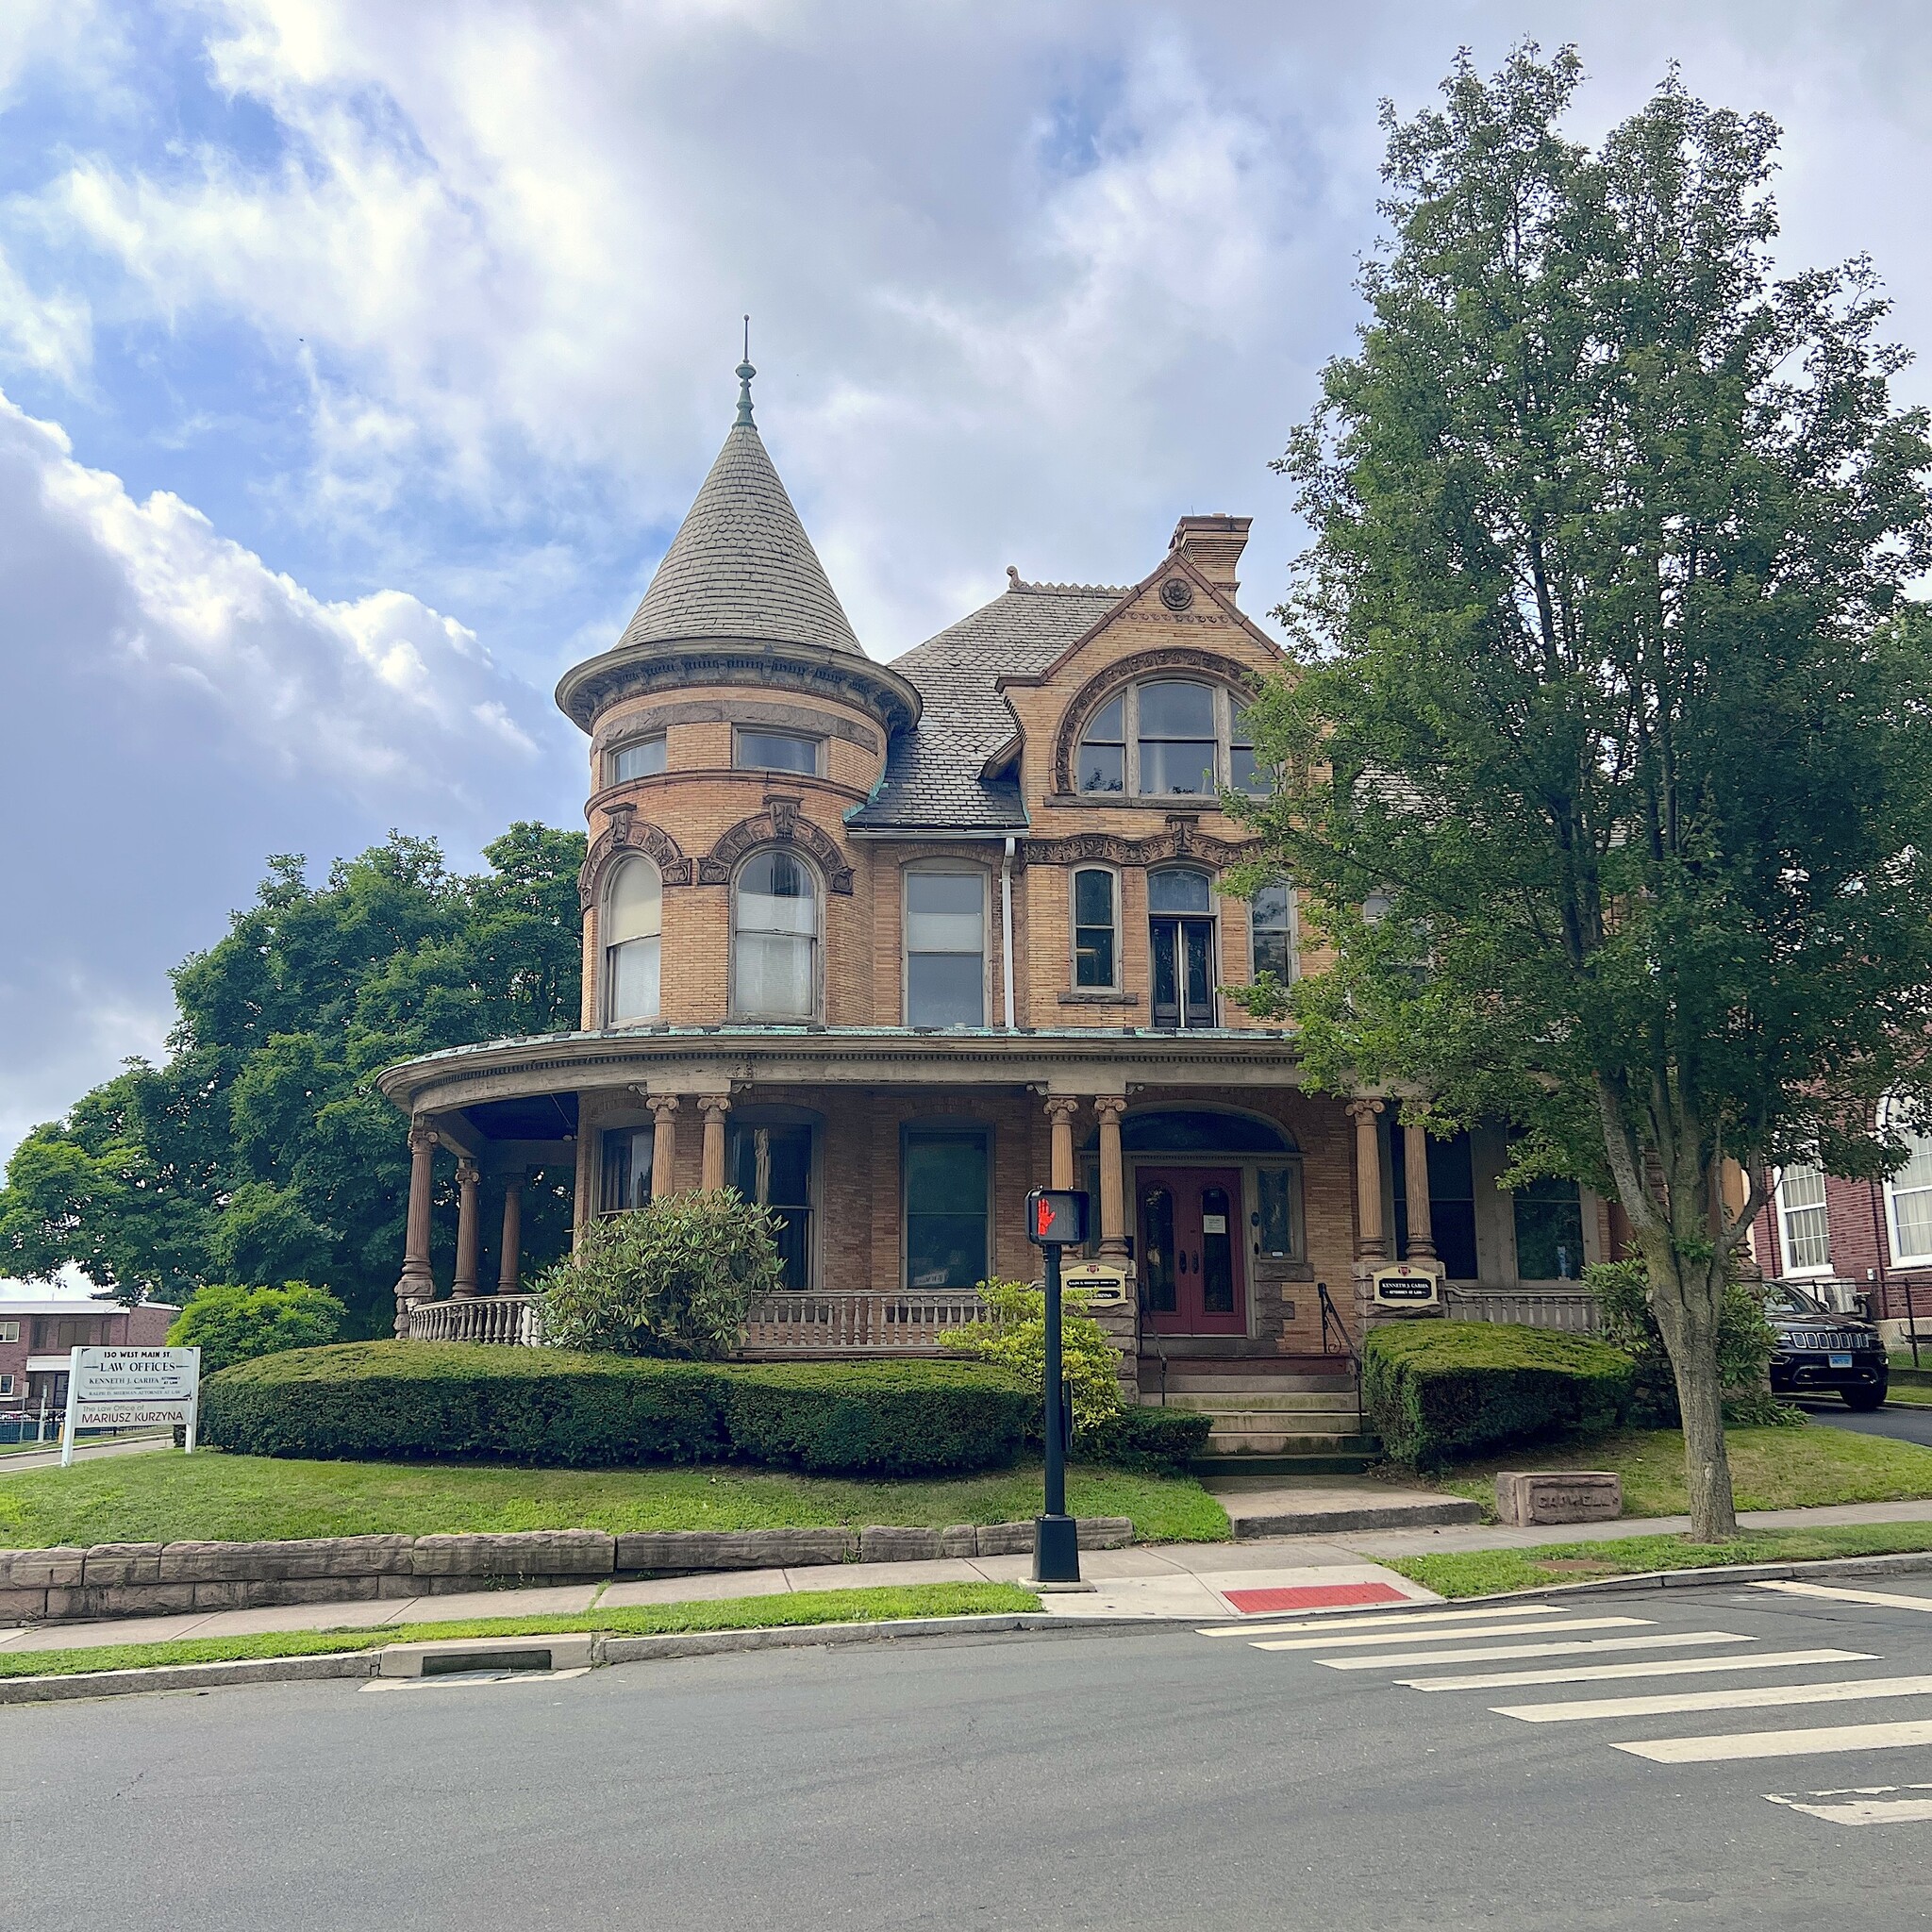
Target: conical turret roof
{"points": [[740, 565]]}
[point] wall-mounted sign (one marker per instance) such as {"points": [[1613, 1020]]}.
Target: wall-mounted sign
{"points": [[130, 1389], [1408, 1285], [1103, 1283]]}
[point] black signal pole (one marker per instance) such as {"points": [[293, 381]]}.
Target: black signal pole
{"points": [[1055, 1217]]}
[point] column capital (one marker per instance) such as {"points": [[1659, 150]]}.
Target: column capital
{"points": [[1109, 1106], [421, 1133], [715, 1106], [1359, 1109], [1062, 1109], [663, 1105], [468, 1172]]}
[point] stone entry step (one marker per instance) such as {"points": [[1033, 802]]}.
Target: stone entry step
{"points": [[1276, 1442], [1283, 1505], [1264, 1401]]}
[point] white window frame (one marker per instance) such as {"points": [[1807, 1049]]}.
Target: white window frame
{"points": [[1822, 1206], [817, 742], [1073, 923], [1900, 1258], [817, 943], [6, 1385], [1227, 703], [9, 1331], [607, 949], [957, 868]]}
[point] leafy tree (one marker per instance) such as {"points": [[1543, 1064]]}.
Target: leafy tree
{"points": [[1608, 767], [1014, 1337], [231, 1323], [672, 1278], [259, 1150]]}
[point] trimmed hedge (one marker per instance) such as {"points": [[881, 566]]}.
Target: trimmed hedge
{"points": [[1157, 1441], [461, 1402], [1434, 1390]]}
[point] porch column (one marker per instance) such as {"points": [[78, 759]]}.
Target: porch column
{"points": [[469, 1176], [663, 1142], [510, 1262], [715, 1107], [1061, 1114], [1113, 1178], [1415, 1168], [416, 1282], [1368, 1179], [590, 1142]]}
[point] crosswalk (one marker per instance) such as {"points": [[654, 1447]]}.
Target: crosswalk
{"points": [[1552, 1646]]}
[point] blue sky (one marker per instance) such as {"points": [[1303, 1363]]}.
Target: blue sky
{"points": [[357, 361]]}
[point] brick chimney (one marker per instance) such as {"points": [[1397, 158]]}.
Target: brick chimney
{"points": [[1214, 546]]}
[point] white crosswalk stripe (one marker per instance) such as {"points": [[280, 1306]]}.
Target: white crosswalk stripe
{"points": [[1870, 1805], [1884, 1599], [1359, 1637], [1656, 1667], [1380, 1620], [1752, 1697], [1806, 1744], [1583, 1646]]}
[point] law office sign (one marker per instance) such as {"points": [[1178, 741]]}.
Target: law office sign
{"points": [[130, 1389]]}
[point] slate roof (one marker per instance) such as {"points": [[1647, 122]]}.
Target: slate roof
{"points": [[740, 565], [932, 776]]}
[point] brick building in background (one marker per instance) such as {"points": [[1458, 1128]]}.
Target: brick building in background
{"points": [[36, 1333], [884, 945]]}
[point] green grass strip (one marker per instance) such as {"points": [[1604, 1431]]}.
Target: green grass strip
{"points": [[798, 1609], [1486, 1573]]}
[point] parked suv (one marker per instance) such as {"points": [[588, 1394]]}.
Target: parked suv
{"points": [[1819, 1352]]}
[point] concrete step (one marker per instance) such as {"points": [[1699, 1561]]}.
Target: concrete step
{"points": [[1266, 1441], [1299, 1402], [1214, 1466], [1285, 1502], [1185, 1382]]}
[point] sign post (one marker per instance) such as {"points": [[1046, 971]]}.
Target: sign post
{"points": [[1056, 1219], [130, 1389]]}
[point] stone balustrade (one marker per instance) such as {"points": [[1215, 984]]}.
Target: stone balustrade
{"points": [[506, 1318]]}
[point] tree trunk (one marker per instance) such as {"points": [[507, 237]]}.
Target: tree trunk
{"points": [[1687, 1301]]}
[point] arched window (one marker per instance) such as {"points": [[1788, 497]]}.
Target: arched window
{"points": [[632, 922], [1180, 932], [1096, 929], [774, 930], [1167, 738]]}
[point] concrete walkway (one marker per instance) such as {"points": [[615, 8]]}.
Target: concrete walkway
{"points": [[49, 1458]]}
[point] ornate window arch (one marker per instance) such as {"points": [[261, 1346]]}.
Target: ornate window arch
{"points": [[630, 933], [776, 917], [1165, 724]]}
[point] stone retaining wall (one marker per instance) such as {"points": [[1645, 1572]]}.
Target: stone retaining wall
{"points": [[160, 1579]]}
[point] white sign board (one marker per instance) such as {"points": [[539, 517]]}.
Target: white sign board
{"points": [[130, 1389]]}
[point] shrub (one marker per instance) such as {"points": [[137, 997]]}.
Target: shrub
{"points": [[1437, 1390], [1016, 1340], [1157, 1442], [231, 1323], [902, 1417], [1744, 1344], [551, 1407], [672, 1279]]}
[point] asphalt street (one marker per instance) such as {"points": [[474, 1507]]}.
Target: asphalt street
{"points": [[1903, 1422], [1164, 1778]]}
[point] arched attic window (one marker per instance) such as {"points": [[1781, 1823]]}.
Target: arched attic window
{"points": [[631, 931], [775, 933], [1167, 738]]}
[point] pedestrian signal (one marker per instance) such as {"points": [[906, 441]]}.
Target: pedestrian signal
{"points": [[1056, 1218]]}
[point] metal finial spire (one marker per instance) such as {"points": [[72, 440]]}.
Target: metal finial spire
{"points": [[745, 372]]}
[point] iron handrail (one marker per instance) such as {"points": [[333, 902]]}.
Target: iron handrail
{"points": [[1332, 1322]]}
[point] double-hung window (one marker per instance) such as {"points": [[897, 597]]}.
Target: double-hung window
{"points": [[775, 911], [1270, 933], [633, 925], [947, 1171], [945, 948], [1096, 929], [772, 1166], [1804, 1221], [1176, 739], [1909, 1193]]}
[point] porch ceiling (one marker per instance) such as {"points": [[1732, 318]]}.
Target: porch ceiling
{"points": [[715, 1059]]}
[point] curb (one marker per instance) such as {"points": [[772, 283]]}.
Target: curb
{"points": [[1900, 1563], [607, 1647]]}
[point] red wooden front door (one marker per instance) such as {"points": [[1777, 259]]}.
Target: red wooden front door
{"points": [[1191, 1250]]}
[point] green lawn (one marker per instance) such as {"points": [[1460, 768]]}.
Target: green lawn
{"points": [[1771, 1468], [169, 1497], [1483, 1572], [742, 1613]]}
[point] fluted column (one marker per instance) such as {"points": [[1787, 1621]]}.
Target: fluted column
{"points": [[1368, 1179], [416, 1284], [1113, 1178], [663, 1143], [589, 1176], [469, 1178], [713, 1106], [1415, 1172], [509, 1262], [1060, 1113]]}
